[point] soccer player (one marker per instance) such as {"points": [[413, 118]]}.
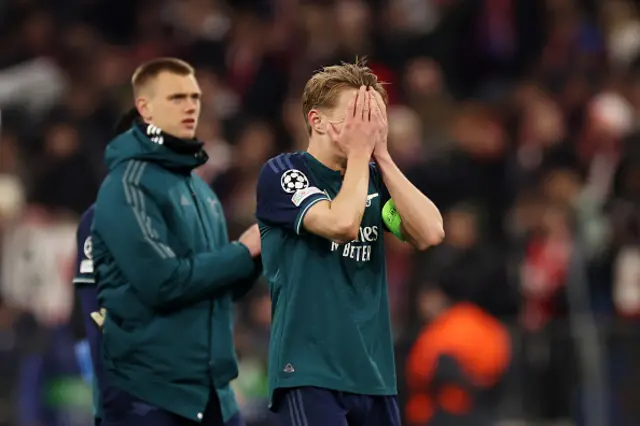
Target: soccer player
{"points": [[167, 274], [87, 295], [320, 214]]}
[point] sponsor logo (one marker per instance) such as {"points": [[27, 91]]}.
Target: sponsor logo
{"points": [[359, 249]]}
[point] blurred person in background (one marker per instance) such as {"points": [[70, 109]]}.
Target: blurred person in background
{"points": [[428, 97], [255, 145], [65, 164], [10, 354], [467, 258], [252, 343], [458, 361], [51, 390], [167, 274]]}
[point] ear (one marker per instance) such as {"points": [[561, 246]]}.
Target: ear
{"points": [[144, 108], [316, 122]]}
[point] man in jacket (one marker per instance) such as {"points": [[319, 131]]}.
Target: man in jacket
{"points": [[167, 274]]}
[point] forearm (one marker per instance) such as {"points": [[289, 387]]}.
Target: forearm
{"points": [[421, 220], [350, 202], [201, 277], [169, 284]]}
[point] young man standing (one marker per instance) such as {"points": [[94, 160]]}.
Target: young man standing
{"points": [[167, 274], [320, 213]]}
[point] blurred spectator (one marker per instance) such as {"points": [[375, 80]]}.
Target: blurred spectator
{"points": [[51, 390], [428, 96], [456, 364]]}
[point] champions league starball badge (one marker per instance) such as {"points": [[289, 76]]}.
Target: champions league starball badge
{"points": [[87, 248], [293, 180]]}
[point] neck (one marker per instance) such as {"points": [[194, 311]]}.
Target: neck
{"points": [[318, 149]]}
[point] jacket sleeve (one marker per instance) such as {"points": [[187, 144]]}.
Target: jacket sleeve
{"points": [[129, 222], [244, 286]]}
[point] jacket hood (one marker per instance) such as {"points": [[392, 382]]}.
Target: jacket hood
{"points": [[147, 142]]}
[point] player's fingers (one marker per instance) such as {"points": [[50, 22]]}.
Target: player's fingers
{"points": [[380, 104], [372, 103], [366, 112], [376, 102], [361, 102], [351, 108], [375, 110], [332, 132]]}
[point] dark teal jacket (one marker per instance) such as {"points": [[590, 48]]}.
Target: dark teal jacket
{"points": [[167, 276]]}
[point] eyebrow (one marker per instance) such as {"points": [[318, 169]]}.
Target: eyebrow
{"points": [[193, 95]]}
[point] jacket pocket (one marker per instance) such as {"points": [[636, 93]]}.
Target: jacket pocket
{"points": [[117, 342]]}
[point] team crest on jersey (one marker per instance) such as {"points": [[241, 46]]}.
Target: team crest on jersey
{"points": [[293, 180], [86, 266], [370, 198]]}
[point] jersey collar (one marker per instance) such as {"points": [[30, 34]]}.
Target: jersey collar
{"points": [[318, 167]]}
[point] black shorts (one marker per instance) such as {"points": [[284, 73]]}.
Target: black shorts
{"points": [[310, 406]]}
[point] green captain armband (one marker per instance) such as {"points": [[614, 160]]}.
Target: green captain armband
{"points": [[392, 219]]}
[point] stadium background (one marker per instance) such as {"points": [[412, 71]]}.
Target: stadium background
{"points": [[517, 117]]}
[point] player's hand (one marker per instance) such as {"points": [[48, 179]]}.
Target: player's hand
{"points": [[379, 117], [358, 133], [98, 317], [251, 239]]}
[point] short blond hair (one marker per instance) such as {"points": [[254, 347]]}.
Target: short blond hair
{"points": [[151, 69], [323, 88]]}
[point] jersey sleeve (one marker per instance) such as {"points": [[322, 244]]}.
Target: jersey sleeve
{"points": [[286, 192], [84, 262], [381, 187]]}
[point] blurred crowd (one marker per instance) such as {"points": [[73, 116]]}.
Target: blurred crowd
{"points": [[518, 118]]}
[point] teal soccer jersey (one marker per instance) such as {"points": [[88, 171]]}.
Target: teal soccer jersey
{"points": [[330, 308]]}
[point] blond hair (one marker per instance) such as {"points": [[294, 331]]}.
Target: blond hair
{"points": [[323, 88], [151, 69]]}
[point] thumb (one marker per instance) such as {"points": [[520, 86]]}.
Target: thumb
{"points": [[332, 132], [98, 319]]}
